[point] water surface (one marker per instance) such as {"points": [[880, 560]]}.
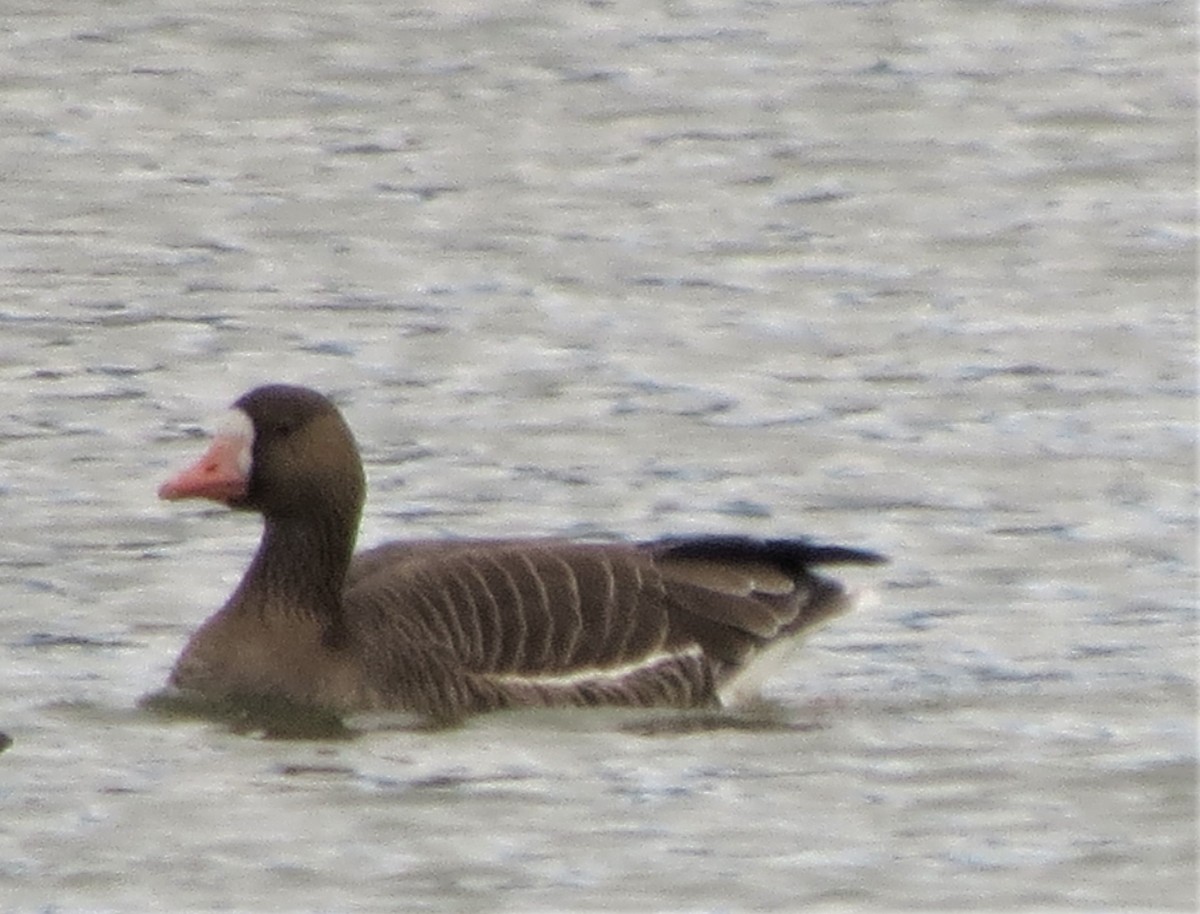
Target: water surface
{"points": [[911, 276]]}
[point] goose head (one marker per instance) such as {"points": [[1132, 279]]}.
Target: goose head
{"points": [[282, 451]]}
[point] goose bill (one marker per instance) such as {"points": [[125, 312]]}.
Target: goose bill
{"points": [[223, 472]]}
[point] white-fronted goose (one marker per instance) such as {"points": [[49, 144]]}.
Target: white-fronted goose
{"points": [[448, 628]]}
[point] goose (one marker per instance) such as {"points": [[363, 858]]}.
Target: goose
{"points": [[449, 628]]}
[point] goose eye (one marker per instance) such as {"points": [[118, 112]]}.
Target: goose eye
{"points": [[283, 429]]}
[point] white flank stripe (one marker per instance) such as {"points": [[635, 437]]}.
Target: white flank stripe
{"points": [[593, 674]]}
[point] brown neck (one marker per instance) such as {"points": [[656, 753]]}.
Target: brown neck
{"points": [[299, 569]]}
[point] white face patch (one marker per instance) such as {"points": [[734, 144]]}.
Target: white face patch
{"points": [[235, 425]]}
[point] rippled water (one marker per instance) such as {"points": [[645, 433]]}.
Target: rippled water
{"points": [[913, 276]]}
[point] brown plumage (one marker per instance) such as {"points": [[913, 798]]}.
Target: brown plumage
{"points": [[448, 628]]}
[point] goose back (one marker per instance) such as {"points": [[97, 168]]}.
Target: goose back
{"points": [[483, 624]]}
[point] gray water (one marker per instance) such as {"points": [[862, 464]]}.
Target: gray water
{"points": [[911, 276]]}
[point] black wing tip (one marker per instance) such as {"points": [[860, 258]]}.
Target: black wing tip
{"points": [[787, 553]]}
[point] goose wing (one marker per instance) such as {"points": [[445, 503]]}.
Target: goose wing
{"points": [[473, 623], [763, 588], [511, 608]]}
